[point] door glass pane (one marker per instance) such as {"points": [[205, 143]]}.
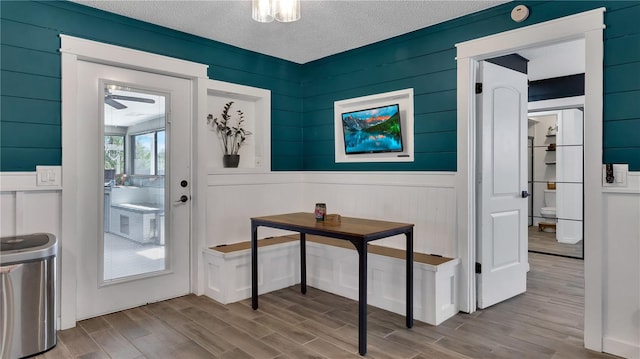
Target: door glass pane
{"points": [[133, 244]]}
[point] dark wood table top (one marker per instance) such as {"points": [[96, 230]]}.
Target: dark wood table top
{"points": [[348, 226]]}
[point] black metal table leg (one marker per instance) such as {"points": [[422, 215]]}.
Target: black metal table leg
{"points": [[254, 266], [409, 260], [359, 238], [303, 263], [362, 297]]}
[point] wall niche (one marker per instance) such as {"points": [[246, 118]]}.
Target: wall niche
{"points": [[255, 103]]}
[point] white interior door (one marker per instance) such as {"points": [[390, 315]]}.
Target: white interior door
{"points": [[501, 251], [134, 230]]}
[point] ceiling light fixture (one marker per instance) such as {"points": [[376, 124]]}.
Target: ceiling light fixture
{"points": [[280, 10]]}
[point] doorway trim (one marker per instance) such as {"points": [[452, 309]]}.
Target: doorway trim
{"points": [[72, 50], [587, 25]]}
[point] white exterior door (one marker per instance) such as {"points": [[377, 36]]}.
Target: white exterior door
{"points": [[138, 207], [502, 177]]}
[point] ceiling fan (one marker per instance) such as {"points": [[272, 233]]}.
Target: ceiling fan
{"points": [[110, 99]]}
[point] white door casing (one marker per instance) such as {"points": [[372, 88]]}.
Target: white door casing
{"points": [[588, 25], [502, 176], [73, 50], [93, 299]]}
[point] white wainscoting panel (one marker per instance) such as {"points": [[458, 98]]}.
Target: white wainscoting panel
{"points": [[233, 199], [621, 290], [427, 199], [19, 181], [7, 213], [26, 208]]}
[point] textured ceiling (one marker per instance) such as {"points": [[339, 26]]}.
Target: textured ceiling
{"points": [[325, 27]]}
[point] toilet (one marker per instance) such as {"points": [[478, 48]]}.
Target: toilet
{"points": [[548, 211]]}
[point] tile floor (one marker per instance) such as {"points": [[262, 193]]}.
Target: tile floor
{"points": [[545, 322], [545, 242], [124, 257]]}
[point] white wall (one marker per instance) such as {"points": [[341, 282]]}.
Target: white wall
{"points": [[232, 199], [425, 199], [26, 208], [621, 277]]}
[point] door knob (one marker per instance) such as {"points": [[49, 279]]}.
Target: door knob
{"points": [[183, 198], [525, 194]]}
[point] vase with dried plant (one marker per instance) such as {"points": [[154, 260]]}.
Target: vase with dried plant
{"points": [[231, 134]]}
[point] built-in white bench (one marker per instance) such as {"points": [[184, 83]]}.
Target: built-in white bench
{"points": [[332, 266]]}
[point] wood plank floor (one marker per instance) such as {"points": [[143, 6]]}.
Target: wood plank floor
{"points": [[545, 242], [545, 322]]}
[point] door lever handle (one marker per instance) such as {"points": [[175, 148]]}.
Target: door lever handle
{"points": [[183, 199], [525, 194]]}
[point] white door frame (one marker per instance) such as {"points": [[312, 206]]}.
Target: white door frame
{"points": [[72, 50], [588, 25]]}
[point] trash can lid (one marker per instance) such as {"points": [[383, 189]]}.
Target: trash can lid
{"points": [[27, 247]]}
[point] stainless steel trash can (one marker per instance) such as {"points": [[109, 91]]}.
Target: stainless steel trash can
{"points": [[27, 294]]}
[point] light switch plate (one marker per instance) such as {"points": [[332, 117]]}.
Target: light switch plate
{"points": [[48, 176], [620, 174]]}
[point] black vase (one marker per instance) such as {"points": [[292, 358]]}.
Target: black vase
{"points": [[230, 161]]}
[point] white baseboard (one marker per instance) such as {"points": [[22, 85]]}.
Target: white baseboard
{"points": [[620, 348]]}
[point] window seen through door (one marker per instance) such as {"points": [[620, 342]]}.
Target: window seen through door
{"points": [[149, 153]]}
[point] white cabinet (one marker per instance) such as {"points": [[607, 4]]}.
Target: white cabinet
{"points": [[142, 223]]}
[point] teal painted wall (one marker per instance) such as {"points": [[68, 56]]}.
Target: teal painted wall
{"points": [[30, 131], [302, 95], [425, 61]]}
